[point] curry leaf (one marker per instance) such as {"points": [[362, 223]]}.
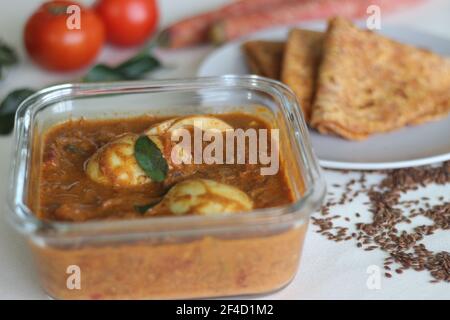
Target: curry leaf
{"points": [[150, 159], [6, 123], [138, 66], [103, 73], [14, 99], [132, 69], [9, 106]]}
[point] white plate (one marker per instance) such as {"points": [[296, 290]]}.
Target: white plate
{"points": [[410, 146]]}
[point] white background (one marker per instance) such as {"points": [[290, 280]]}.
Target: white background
{"points": [[328, 270]]}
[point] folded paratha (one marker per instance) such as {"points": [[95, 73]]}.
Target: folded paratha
{"points": [[300, 64], [369, 84], [264, 57]]}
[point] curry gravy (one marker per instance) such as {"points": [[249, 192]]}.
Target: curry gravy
{"points": [[67, 194]]}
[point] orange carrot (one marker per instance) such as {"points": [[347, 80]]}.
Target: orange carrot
{"points": [[232, 27], [194, 30]]}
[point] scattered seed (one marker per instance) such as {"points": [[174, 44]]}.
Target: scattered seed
{"points": [[404, 249]]}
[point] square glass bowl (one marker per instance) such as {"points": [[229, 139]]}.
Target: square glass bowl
{"points": [[166, 257]]}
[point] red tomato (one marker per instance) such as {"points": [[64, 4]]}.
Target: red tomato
{"points": [[61, 41], [128, 22]]}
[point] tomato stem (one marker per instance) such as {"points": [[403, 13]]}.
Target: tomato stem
{"points": [[57, 9]]}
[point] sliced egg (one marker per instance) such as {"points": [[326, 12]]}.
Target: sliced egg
{"points": [[114, 164], [160, 128], [205, 197], [204, 123]]}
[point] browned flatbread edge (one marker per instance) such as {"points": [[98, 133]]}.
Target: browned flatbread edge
{"points": [[264, 57], [300, 65]]}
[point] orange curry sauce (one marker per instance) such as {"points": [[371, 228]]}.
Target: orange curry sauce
{"points": [[68, 194]]}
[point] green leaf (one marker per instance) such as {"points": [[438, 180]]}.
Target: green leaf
{"points": [[6, 123], [136, 67], [9, 106], [132, 69], [150, 159], [144, 208], [14, 99], [102, 73], [8, 55]]}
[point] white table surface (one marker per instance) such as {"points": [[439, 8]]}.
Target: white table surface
{"points": [[328, 270]]}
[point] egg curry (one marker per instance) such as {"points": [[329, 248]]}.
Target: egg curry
{"points": [[123, 169]]}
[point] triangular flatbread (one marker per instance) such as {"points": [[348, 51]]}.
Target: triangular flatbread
{"points": [[369, 84], [300, 64], [264, 57]]}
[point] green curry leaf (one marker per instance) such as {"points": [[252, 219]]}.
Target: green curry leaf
{"points": [[9, 106], [134, 68], [14, 99], [102, 73], [150, 159], [6, 123]]}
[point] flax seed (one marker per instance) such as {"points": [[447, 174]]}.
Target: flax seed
{"points": [[403, 249]]}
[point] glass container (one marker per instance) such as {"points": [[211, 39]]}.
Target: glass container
{"points": [[166, 257]]}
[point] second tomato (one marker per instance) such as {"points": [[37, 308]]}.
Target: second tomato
{"points": [[128, 22]]}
